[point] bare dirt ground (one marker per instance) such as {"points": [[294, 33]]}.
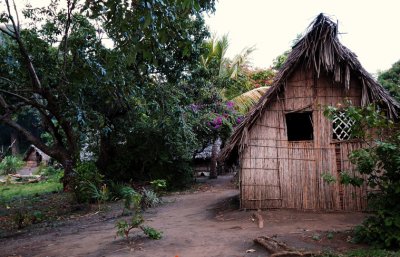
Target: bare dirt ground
{"points": [[201, 223]]}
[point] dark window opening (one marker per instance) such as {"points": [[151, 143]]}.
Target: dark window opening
{"points": [[299, 126]]}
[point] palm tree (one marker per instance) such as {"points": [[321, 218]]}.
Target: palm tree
{"points": [[221, 69], [240, 62], [215, 56]]}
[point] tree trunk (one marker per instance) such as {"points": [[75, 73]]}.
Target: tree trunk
{"points": [[14, 143], [214, 155], [105, 151], [69, 176]]}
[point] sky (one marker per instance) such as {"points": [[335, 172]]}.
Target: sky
{"points": [[371, 29]]}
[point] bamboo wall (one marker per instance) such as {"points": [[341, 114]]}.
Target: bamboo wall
{"points": [[277, 173]]}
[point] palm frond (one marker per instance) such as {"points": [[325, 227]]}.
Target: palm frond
{"points": [[240, 61], [245, 101]]}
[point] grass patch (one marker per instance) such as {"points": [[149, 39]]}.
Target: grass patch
{"points": [[12, 192], [15, 191], [22, 205]]}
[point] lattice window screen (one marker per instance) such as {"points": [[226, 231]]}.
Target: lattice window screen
{"points": [[342, 126]]}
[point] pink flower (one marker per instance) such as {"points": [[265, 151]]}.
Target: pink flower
{"points": [[230, 104]]}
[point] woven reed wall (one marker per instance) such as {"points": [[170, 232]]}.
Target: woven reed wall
{"points": [[277, 173]]}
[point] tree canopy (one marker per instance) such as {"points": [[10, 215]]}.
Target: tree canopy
{"points": [[136, 87], [83, 92]]}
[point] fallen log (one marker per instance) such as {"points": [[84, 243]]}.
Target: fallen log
{"points": [[271, 245], [294, 254], [26, 178], [280, 249]]}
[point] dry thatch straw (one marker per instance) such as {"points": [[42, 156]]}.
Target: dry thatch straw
{"points": [[319, 50]]}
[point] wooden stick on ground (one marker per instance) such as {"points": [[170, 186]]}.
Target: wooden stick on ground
{"points": [[257, 215]]}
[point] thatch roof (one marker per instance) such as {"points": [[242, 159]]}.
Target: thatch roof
{"points": [[206, 153], [319, 50], [33, 148]]}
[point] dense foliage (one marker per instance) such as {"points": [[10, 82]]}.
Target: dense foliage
{"points": [[136, 88], [390, 80], [10, 164], [381, 163], [125, 106]]}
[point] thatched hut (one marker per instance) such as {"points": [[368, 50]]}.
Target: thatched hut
{"points": [[285, 144], [35, 157], [202, 160]]}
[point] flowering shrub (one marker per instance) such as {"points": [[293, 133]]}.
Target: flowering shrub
{"points": [[262, 78], [214, 120], [222, 120], [216, 123], [230, 105]]}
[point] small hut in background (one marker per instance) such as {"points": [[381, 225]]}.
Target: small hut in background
{"points": [[35, 157], [285, 144], [202, 160]]}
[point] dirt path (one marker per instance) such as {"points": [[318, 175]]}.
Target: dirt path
{"points": [[194, 225]]}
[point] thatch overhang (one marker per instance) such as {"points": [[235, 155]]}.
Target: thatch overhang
{"points": [[318, 50]]}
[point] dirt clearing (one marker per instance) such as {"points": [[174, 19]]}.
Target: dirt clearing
{"points": [[195, 224]]}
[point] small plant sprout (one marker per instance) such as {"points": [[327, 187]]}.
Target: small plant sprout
{"points": [[133, 199], [123, 228], [316, 237]]}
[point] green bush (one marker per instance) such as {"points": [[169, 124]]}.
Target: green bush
{"points": [[158, 185], [383, 227], [150, 199], [47, 170], [10, 165], [115, 190], [380, 162], [131, 198], [88, 183]]}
